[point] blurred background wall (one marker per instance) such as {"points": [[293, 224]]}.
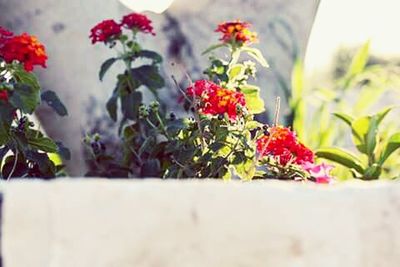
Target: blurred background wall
{"points": [[183, 32]]}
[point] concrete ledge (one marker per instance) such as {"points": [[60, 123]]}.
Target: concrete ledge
{"points": [[121, 223]]}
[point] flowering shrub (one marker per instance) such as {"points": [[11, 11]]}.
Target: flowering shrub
{"points": [[24, 149], [219, 137]]}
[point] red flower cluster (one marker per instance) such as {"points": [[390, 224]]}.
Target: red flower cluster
{"points": [[24, 48], [215, 100], [109, 30], [236, 31], [4, 34], [282, 143], [4, 95], [138, 22], [105, 31]]}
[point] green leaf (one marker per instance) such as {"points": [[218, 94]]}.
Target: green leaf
{"points": [[252, 125], [157, 58], [211, 48], [372, 172], [359, 61], [52, 99], [106, 66], [246, 169], [382, 114], [112, 105], [344, 117], [26, 78], [257, 55], [216, 146], [130, 105], [46, 166], [4, 133], [341, 157], [236, 71], [254, 103], [392, 145], [25, 97], [149, 76], [43, 143], [363, 131]]}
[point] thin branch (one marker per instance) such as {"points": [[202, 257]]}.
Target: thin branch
{"points": [[277, 109], [14, 165]]}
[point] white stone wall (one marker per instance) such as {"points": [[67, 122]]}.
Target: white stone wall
{"points": [[151, 223]]}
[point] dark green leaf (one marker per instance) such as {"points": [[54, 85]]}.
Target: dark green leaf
{"points": [[52, 99], [46, 166], [106, 66], [130, 105], [149, 76], [27, 78], [43, 143], [25, 97], [112, 105], [216, 146], [150, 55]]}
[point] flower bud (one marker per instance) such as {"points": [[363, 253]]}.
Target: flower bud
{"points": [[154, 105], [143, 112]]}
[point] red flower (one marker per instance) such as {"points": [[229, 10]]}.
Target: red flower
{"points": [[236, 31], [138, 22], [4, 34], [105, 31], [282, 143], [215, 100], [26, 49], [4, 95]]}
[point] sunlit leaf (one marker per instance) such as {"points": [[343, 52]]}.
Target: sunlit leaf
{"points": [[257, 55], [342, 157], [254, 102], [344, 117], [392, 145]]}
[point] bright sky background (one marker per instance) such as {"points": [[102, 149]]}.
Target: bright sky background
{"points": [[351, 22]]}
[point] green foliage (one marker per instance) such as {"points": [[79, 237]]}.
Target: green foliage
{"points": [[365, 135], [157, 144], [24, 150], [357, 89]]}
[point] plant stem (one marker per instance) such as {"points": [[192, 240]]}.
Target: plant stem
{"points": [[14, 165]]}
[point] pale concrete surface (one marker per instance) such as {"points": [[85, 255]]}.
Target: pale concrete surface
{"points": [[183, 33], [82, 223]]}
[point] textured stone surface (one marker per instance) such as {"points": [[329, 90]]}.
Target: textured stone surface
{"points": [[149, 223], [183, 33]]}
